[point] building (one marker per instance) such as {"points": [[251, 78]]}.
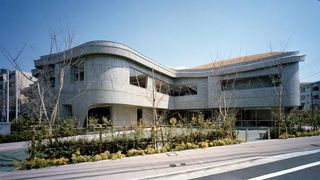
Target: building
{"points": [[310, 95], [17, 82], [112, 80]]}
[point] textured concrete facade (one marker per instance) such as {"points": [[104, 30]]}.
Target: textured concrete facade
{"points": [[106, 82]]}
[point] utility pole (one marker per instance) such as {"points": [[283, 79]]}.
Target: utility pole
{"points": [[8, 83]]}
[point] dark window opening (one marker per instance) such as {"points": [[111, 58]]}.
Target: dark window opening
{"points": [[68, 111], [139, 115], [52, 81], [171, 90], [250, 83], [315, 88], [138, 78]]}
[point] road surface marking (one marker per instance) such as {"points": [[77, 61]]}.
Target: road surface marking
{"points": [[287, 171]]}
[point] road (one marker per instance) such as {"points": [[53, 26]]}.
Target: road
{"points": [[301, 167], [187, 164]]}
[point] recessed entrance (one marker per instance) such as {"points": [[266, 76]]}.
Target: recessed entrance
{"points": [[99, 113]]}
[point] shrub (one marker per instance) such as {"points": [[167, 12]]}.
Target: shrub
{"points": [[149, 150], [135, 152], [191, 146], [117, 155], [228, 141], [78, 158], [284, 136], [40, 163], [219, 142], [105, 155], [59, 161], [203, 144], [180, 147]]}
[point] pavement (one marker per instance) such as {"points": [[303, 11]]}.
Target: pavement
{"points": [[306, 166], [186, 164]]}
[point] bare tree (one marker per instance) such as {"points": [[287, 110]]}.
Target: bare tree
{"points": [[225, 93], [45, 93]]}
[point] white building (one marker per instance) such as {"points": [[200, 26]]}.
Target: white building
{"points": [[116, 81], [17, 83]]}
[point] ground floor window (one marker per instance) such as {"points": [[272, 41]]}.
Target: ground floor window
{"points": [[254, 118]]}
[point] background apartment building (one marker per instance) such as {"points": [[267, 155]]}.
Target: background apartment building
{"points": [[17, 83], [310, 93]]}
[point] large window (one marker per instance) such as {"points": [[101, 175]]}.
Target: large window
{"points": [[250, 83], [172, 90], [138, 78], [77, 72]]}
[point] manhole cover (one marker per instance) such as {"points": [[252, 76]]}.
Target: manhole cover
{"points": [[173, 165]]}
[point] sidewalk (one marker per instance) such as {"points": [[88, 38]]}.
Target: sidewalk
{"points": [[169, 165]]}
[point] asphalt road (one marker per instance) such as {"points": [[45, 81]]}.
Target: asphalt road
{"points": [[200, 162], [275, 169]]}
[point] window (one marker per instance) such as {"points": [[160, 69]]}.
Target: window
{"points": [[77, 72], [67, 111], [315, 88], [250, 83], [138, 78], [184, 90], [315, 97], [139, 115], [171, 90]]}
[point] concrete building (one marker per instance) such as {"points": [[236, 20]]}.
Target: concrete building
{"points": [[17, 99], [117, 82], [310, 93]]}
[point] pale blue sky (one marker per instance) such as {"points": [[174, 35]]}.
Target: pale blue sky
{"points": [[174, 33]]}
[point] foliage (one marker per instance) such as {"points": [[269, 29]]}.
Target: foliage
{"points": [[135, 152], [41, 162], [117, 155]]}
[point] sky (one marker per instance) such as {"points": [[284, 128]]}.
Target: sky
{"points": [[177, 34]]}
